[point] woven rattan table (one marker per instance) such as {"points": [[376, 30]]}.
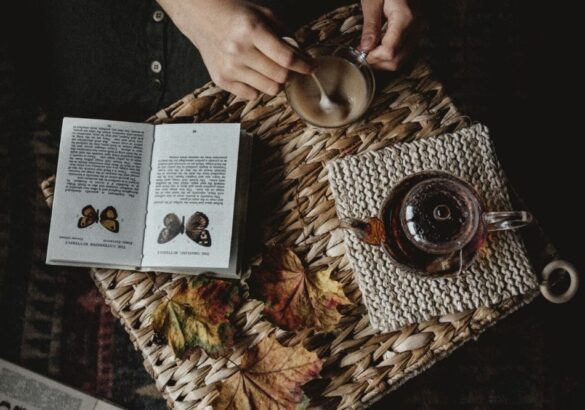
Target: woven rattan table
{"points": [[292, 206]]}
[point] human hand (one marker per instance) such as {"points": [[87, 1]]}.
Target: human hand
{"points": [[389, 51], [238, 44]]}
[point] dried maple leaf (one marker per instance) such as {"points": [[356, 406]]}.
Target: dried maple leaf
{"points": [[294, 298], [270, 377], [198, 315]]}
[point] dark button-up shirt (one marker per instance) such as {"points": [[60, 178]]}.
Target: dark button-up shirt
{"points": [[113, 59], [117, 59]]}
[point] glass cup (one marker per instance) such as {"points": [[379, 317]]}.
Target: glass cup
{"points": [[348, 81], [433, 224]]}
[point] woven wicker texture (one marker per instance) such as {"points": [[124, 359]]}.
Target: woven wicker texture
{"points": [[394, 299], [292, 205]]}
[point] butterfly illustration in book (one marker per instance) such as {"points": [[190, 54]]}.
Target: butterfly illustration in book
{"points": [[195, 228], [107, 218]]}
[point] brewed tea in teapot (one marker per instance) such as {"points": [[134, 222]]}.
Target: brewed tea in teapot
{"points": [[433, 224]]}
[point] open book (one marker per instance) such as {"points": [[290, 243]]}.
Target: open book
{"points": [[22, 389], [150, 197]]}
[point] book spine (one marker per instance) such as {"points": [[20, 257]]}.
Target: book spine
{"points": [[147, 194]]}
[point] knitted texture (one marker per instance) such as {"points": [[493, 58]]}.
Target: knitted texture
{"points": [[394, 298]]}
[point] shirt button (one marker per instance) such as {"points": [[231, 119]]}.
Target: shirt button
{"points": [[158, 16], [157, 84], [156, 67]]}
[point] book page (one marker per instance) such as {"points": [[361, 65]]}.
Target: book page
{"points": [[191, 199], [22, 389], [101, 189]]}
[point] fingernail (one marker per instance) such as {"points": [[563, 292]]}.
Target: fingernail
{"points": [[367, 42]]}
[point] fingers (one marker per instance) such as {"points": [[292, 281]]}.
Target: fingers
{"points": [[249, 83], [393, 48], [372, 10], [393, 63], [265, 66], [249, 73], [399, 20], [253, 58], [280, 52], [258, 81], [241, 90]]}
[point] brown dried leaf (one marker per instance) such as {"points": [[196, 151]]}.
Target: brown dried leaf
{"points": [[270, 377], [295, 299]]}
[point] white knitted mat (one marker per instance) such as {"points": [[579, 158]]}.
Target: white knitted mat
{"points": [[394, 298]]}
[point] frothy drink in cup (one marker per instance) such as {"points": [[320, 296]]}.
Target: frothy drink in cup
{"points": [[346, 81]]}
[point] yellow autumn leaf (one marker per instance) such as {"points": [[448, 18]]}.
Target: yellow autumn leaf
{"points": [[198, 315]]}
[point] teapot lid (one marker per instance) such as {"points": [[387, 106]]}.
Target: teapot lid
{"points": [[440, 215]]}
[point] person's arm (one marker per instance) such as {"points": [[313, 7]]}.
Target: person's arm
{"points": [[389, 51], [239, 48]]}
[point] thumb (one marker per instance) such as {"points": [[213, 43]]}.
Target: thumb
{"points": [[372, 10]]}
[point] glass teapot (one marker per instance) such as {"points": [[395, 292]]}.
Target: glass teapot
{"points": [[433, 224]]}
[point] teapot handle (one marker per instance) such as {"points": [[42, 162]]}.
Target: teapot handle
{"points": [[502, 221], [370, 231]]}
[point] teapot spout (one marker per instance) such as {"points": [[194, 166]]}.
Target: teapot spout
{"points": [[371, 231]]}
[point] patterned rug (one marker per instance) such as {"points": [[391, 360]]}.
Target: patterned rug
{"points": [[53, 319]]}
